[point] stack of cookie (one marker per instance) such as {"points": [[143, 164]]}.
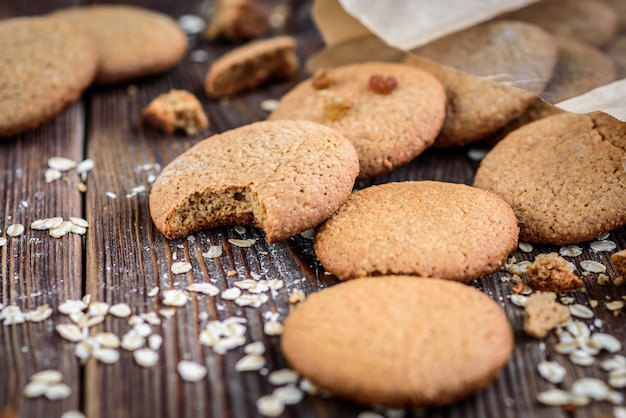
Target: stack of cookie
{"points": [[51, 60]]}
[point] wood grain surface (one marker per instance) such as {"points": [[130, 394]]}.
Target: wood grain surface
{"points": [[123, 257]]}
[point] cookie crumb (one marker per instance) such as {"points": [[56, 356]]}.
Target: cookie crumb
{"points": [[543, 313], [618, 260], [237, 20], [177, 109], [550, 273]]}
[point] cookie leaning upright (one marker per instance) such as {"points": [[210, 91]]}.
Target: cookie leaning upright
{"points": [[421, 228], [391, 112], [132, 42], [284, 177], [46, 66], [398, 341]]}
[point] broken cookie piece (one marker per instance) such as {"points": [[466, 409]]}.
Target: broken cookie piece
{"points": [[618, 260], [252, 65], [543, 313], [550, 273], [237, 20], [177, 109]]}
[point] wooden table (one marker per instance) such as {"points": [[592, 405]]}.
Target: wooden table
{"points": [[123, 257]]}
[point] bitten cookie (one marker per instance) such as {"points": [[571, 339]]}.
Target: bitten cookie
{"points": [[479, 68], [398, 341], [131, 41], [176, 109], [284, 177], [251, 65], [589, 21], [562, 175], [424, 228], [46, 66], [580, 68], [391, 112]]}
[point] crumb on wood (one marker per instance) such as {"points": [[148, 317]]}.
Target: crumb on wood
{"points": [[550, 273], [543, 313], [177, 109]]}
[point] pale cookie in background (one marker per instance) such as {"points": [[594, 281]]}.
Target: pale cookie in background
{"points": [[132, 42], [422, 228], [251, 65], [391, 112], [46, 65], [590, 21], [284, 177], [398, 341], [562, 175], [237, 20], [580, 68], [479, 68], [176, 109]]}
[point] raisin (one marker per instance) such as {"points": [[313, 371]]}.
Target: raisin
{"points": [[336, 107], [382, 84], [320, 80]]}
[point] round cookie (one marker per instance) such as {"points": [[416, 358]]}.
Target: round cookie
{"points": [[46, 66], [590, 21], [479, 68], [388, 126], [132, 42], [398, 341], [282, 176], [422, 228], [580, 68], [562, 175]]}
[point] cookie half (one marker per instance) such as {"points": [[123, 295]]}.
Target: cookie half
{"points": [[562, 175], [398, 341], [422, 228], [391, 112], [132, 42], [284, 177], [46, 66]]}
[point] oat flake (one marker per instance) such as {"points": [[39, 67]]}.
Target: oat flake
{"points": [[121, 310], [273, 328], [3, 241], [580, 311], [70, 332], [52, 175], [214, 252], [282, 377], [61, 163], [35, 389], [155, 341], [146, 357], [73, 414], [250, 362], [582, 358], [204, 288], [570, 251], [132, 341], [106, 355], [270, 406], [552, 371], [49, 377], [592, 266], [244, 243], [181, 267], [592, 388], [174, 297], [615, 305], [190, 371], [604, 245], [58, 391], [231, 293], [525, 247], [256, 347], [15, 230], [290, 395]]}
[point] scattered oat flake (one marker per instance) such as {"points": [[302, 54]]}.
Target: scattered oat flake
{"points": [[240, 229], [106, 355], [173, 297], [606, 342], [39, 314], [476, 154], [231, 293], [552, 371], [73, 414], [98, 308], [35, 389], [290, 394], [214, 252], [190, 371], [79, 221], [153, 292], [592, 388], [181, 267], [15, 230], [269, 105], [3, 241], [61, 163], [570, 251], [615, 305], [580, 311], [593, 266], [52, 175], [146, 357], [581, 358], [518, 300], [58, 391], [121, 310], [559, 397], [604, 245], [85, 167], [72, 306], [111, 195], [204, 288], [70, 332], [308, 234], [273, 328], [48, 377], [155, 341], [132, 341], [282, 377], [525, 247], [244, 243], [250, 362], [107, 339], [270, 405]]}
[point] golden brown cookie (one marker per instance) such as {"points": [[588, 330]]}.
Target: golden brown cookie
{"points": [[589, 21], [46, 65], [131, 41], [562, 175], [237, 20], [480, 68], [423, 228], [391, 112], [176, 109], [398, 341], [251, 65], [580, 68], [284, 177], [475, 108]]}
